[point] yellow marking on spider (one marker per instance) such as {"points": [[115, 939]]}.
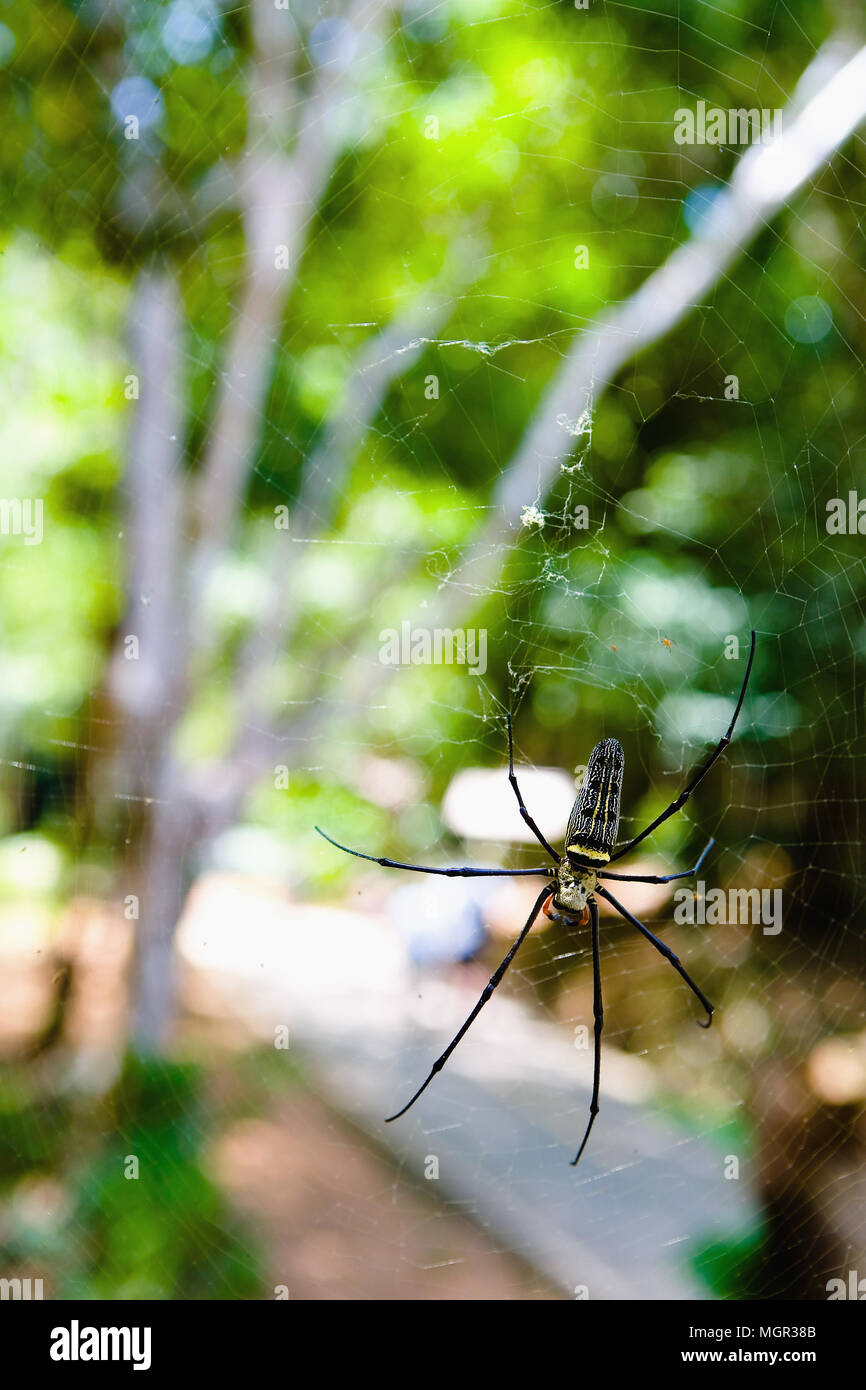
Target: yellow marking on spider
{"points": [[587, 853], [601, 813]]}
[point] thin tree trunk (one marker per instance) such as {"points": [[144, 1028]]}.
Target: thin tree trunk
{"points": [[148, 667], [164, 876], [279, 195]]}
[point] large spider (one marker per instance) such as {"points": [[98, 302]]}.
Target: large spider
{"points": [[589, 846]]}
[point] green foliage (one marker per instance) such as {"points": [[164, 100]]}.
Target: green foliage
{"points": [[33, 1128], [733, 1269], [143, 1219]]}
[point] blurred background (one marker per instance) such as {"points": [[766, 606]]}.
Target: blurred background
{"points": [[324, 326]]}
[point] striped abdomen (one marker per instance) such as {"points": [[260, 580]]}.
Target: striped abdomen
{"points": [[594, 819]]}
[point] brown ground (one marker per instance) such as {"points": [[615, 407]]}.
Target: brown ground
{"points": [[337, 1221], [332, 1217]]}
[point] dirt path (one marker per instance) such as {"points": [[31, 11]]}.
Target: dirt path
{"points": [[336, 1222]]}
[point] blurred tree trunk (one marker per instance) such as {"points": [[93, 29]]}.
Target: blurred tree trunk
{"points": [[176, 533], [148, 669]]}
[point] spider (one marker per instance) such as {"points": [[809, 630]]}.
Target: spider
{"points": [[577, 877]]}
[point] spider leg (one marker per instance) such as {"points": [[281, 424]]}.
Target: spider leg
{"points": [[449, 873], [598, 1020], [523, 811], [665, 951], [666, 878], [494, 980], [701, 772]]}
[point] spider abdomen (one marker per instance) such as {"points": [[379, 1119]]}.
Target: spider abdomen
{"points": [[594, 821]]}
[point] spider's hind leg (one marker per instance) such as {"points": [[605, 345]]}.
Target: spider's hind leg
{"points": [[664, 951], [598, 1025], [495, 979], [664, 878]]}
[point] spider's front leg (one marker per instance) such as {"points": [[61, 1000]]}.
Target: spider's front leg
{"points": [[702, 771], [523, 811], [457, 872]]}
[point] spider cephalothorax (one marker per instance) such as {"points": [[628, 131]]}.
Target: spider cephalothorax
{"points": [[575, 877], [569, 904]]}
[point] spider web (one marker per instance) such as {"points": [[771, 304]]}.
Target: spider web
{"points": [[438, 294]]}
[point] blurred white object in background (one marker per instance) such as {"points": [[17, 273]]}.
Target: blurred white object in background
{"points": [[480, 805]]}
